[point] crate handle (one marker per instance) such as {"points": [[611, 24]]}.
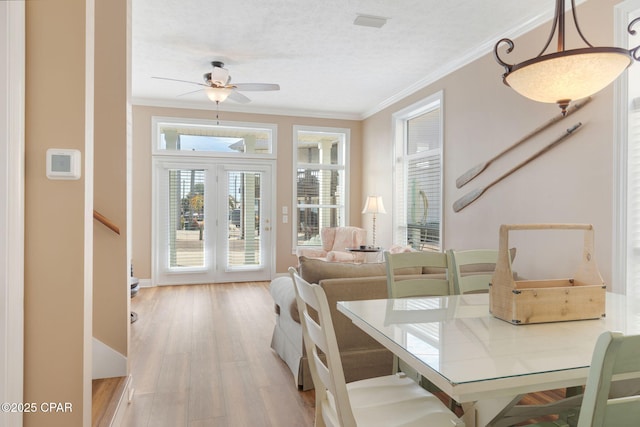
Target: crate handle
{"points": [[587, 271]]}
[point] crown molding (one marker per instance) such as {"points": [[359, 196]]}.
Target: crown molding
{"points": [[227, 107], [463, 60]]}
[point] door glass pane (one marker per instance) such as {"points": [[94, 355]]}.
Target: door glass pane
{"points": [[186, 218], [244, 198]]}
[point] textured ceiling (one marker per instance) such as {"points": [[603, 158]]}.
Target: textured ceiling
{"points": [[325, 65]]}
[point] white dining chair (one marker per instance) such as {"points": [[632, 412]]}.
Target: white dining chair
{"points": [[392, 400], [614, 355]]}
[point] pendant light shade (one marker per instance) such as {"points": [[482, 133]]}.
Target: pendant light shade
{"points": [[566, 75]]}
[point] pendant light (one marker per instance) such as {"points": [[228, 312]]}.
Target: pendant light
{"points": [[566, 75]]}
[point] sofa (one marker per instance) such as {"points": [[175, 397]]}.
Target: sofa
{"points": [[362, 356]]}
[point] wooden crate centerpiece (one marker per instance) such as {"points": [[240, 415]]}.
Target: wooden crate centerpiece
{"points": [[522, 302]]}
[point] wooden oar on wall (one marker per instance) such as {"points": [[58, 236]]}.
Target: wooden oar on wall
{"points": [[477, 170], [468, 198]]}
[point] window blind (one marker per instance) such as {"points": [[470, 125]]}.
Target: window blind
{"points": [[633, 203], [244, 194], [186, 203]]}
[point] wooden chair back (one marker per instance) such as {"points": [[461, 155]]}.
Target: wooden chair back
{"points": [[326, 372], [614, 354], [463, 283], [407, 285]]}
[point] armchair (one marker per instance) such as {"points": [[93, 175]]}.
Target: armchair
{"points": [[335, 241]]}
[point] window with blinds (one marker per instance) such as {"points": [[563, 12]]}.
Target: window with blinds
{"points": [[418, 175], [626, 274], [320, 182], [186, 218]]}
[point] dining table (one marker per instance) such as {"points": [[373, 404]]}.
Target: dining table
{"points": [[484, 363]]}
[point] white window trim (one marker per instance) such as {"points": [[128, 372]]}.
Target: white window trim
{"points": [[155, 137], [12, 241], [294, 197], [398, 131], [620, 167]]}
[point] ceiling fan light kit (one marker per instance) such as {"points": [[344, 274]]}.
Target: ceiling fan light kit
{"points": [[566, 75], [218, 94]]}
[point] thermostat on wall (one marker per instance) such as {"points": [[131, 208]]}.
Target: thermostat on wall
{"points": [[63, 164]]}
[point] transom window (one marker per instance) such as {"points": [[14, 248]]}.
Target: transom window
{"points": [[179, 136]]}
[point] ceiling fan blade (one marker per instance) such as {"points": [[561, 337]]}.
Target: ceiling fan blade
{"points": [[238, 97], [190, 92], [178, 80], [256, 86]]}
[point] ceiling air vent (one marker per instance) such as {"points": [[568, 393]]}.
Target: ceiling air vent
{"points": [[370, 21]]}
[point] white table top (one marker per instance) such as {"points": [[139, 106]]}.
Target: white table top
{"points": [[456, 343]]}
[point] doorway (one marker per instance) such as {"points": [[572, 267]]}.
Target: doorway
{"points": [[212, 221]]}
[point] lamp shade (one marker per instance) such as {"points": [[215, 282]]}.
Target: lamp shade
{"points": [[568, 75], [374, 205], [218, 94]]}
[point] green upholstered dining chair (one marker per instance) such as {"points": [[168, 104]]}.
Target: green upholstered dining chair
{"points": [[391, 400], [479, 265], [614, 354]]}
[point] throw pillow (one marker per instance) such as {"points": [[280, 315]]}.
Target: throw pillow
{"points": [[315, 270]]}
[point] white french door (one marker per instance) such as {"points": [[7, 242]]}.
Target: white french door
{"points": [[212, 221]]}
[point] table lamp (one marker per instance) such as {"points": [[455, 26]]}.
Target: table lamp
{"points": [[374, 205]]}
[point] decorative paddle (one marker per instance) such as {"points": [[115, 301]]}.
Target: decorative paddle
{"points": [[466, 200], [477, 170]]}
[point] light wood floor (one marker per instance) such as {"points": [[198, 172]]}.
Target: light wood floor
{"points": [[200, 356]]}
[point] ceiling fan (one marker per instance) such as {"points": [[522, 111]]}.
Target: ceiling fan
{"points": [[218, 87]]}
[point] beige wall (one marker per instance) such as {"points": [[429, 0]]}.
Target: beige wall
{"points": [[58, 266], [571, 183], [141, 227], [55, 212], [111, 265]]}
